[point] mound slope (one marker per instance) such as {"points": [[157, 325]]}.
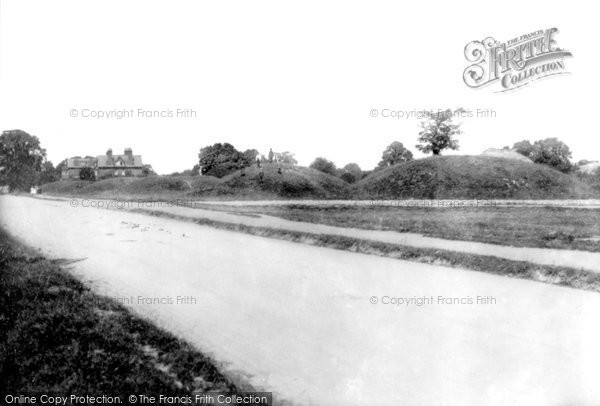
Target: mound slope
{"points": [[292, 182], [470, 177]]}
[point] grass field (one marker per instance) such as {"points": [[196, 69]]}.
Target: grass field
{"points": [[543, 227], [57, 336]]}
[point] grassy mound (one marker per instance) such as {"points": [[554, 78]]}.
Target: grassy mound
{"points": [[65, 187], [470, 177], [292, 182], [446, 177]]}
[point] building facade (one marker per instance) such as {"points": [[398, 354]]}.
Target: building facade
{"points": [[106, 165], [119, 165], [74, 166]]}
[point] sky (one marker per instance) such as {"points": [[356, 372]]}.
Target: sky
{"points": [[291, 76]]}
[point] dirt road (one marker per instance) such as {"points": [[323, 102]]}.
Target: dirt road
{"points": [[299, 320]]}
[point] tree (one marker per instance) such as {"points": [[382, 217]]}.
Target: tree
{"points": [[147, 170], [21, 158], [549, 151], [438, 131], [351, 173], [48, 173], [394, 154], [552, 152], [61, 166], [250, 156], [87, 173], [524, 148], [221, 159], [324, 165]]}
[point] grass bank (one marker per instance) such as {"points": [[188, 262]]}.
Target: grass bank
{"points": [[540, 227], [555, 275], [57, 336]]}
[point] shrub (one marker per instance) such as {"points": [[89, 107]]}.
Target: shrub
{"points": [[87, 173], [549, 151], [348, 177], [552, 152], [394, 154], [324, 165], [355, 170]]}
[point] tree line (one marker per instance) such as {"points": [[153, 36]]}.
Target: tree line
{"points": [[437, 134], [23, 161]]}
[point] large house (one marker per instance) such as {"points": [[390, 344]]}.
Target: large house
{"points": [[119, 165], [105, 165]]}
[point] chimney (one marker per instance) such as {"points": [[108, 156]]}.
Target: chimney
{"points": [[128, 156], [109, 152]]}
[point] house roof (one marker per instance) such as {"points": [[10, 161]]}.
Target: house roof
{"points": [[104, 161], [78, 162]]}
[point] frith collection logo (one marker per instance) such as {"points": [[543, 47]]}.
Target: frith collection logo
{"points": [[515, 63]]}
